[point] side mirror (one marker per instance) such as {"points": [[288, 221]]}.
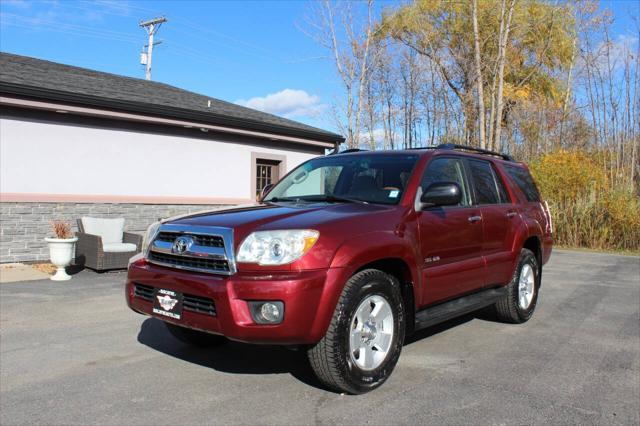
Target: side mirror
{"points": [[264, 192], [441, 194]]}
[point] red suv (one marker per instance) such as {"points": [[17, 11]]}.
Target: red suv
{"points": [[348, 254]]}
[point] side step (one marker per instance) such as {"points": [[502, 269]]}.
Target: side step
{"points": [[456, 307]]}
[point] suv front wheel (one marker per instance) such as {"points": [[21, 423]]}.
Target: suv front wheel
{"points": [[365, 337]]}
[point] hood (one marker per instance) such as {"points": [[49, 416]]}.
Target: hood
{"points": [[262, 217]]}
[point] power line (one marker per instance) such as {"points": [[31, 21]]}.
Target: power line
{"points": [[37, 24], [152, 26]]}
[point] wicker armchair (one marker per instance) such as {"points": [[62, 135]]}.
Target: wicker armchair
{"points": [[90, 251]]}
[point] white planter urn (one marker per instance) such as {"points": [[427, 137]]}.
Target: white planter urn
{"points": [[61, 251]]}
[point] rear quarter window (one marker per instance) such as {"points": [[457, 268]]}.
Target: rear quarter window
{"points": [[523, 180]]}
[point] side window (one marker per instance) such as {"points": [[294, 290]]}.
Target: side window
{"points": [[524, 181], [484, 182], [502, 191], [447, 170]]}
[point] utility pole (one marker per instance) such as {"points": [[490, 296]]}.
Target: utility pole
{"points": [[152, 26]]}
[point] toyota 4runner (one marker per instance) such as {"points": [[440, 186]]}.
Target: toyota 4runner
{"points": [[348, 254]]}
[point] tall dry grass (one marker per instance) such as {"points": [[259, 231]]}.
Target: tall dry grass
{"points": [[588, 211]]}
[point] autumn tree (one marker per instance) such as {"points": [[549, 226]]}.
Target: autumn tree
{"points": [[522, 49]]}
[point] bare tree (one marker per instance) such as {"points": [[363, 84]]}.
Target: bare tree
{"points": [[479, 82], [505, 27], [336, 27]]}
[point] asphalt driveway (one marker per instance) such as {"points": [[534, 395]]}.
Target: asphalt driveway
{"points": [[72, 353]]}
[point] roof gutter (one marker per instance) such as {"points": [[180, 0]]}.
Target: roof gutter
{"points": [[169, 112], [111, 114]]}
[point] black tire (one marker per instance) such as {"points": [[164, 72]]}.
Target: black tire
{"points": [[194, 337], [330, 358], [507, 308]]}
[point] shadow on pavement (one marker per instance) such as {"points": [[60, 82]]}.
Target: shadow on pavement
{"points": [[242, 358], [485, 314], [436, 329], [231, 357]]}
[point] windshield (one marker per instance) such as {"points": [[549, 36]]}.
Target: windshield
{"points": [[375, 178]]}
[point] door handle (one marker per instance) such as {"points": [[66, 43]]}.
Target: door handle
{"points": [[474, 219], [511, 214]]}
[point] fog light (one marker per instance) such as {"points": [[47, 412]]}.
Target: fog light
{"points": [[271, 312]]}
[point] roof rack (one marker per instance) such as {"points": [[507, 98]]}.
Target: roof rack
{"points": [[450, 146], [474, 149], [346, 151]]}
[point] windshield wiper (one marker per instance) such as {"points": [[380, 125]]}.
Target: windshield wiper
{"points": [[335, 199], [276, 199]]}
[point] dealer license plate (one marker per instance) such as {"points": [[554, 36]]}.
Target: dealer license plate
{"points": [[167, 303]]}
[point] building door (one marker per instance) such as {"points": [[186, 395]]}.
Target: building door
{"points": [[267, 173]]}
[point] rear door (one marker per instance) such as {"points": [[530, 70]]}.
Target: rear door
{"points": [[499, 220], [450, 237], [530, 205]]}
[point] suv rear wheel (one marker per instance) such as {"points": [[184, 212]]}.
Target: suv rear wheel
{"points": [[518, 304], [194, 337], [365, 337]]}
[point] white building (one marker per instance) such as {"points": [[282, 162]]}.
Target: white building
{"points": [[77, 142]]}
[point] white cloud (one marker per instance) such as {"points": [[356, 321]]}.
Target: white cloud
{"points": [[66, 17], [287, 103], [621, 48], [379, 139]]}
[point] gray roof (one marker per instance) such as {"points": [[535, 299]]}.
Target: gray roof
{"points": [[22, 75]]}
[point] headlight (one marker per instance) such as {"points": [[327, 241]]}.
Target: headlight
{"points": [[152, 230], [276, 247]]}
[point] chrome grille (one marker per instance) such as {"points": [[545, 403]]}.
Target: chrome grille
{"points": [[211, 265], [201, 240], [197, 248]]}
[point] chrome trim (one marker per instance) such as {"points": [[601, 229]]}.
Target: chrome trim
{"points": [[203, 252], [196, 251]]}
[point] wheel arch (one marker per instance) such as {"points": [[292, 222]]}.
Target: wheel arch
{"points": [[386, 251], [399, 269], [534, 244]]}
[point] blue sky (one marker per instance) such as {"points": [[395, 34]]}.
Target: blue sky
{"points": [[239, 51]]}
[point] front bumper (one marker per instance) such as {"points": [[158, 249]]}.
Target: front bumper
{"points": [[309, 300]]}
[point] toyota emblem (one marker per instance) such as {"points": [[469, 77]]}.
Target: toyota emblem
{"points": [[181, 244]]}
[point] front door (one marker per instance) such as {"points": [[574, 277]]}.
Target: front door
{"points": [[450, 238]]}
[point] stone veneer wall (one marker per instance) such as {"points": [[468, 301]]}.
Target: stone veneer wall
{"points": [[23, 226]]}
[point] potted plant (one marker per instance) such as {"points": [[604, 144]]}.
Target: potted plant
{"points": [[61, 248]]}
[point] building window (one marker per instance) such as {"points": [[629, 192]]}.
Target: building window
{"points": [[267, 173]]}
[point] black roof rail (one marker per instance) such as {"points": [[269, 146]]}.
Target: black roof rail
{"points": [[474, 149], [346, 151]]}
